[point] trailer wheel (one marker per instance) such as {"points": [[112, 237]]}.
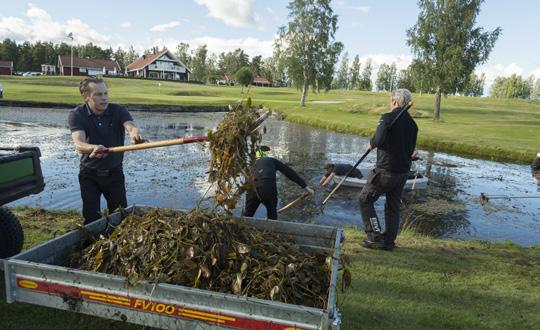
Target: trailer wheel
{"points": [[11, 234]]}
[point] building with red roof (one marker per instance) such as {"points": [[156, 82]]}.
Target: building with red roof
{"points": [[87, 66], [159, 65], [6, 67], [261, 81]]}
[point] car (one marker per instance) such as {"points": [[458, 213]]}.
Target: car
{"points": [[31, 74]]}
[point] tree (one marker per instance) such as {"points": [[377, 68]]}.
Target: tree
{"points": [[536, 91], [120, 57], [422, 81], [272, 71], [256, 65], [307, 45], [511, 87], [365, 79], [405, 79], [24, 62], [182, 53], [9, 51], [62, 49], [213, 73], [43, 53], [244, 76], [354, 73], [229, 63], [447, 44], [342, 77], [475, 85], [198, 64], [92, 51], [131, 55], [386, 77]]}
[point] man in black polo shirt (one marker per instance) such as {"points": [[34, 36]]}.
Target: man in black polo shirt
{"points": [[395, 151], [338, 169], [95, 126]]}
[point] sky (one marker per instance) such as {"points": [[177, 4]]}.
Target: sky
{"points": [[374, 29]]}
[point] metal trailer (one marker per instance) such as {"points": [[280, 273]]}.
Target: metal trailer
{"points": [[37, 277]]}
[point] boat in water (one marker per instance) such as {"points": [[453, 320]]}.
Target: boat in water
{"points": [[415, 181]]}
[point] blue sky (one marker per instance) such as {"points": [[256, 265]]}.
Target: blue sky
{"points": [[375, 29]]}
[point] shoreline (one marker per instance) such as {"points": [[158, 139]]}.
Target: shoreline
{"points": [[131, 107], [454, 148]]}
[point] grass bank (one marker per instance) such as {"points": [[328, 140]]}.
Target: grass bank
{"points": [[424, 284], [498, 129]]}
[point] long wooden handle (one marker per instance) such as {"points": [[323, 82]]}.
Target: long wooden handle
{"points": [[157, 144], [164, 143], [291, 204]]}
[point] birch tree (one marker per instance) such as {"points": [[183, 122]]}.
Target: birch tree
{"points": [[306, 45]]}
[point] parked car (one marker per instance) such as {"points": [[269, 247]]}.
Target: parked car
{"points": [[31, 74]]}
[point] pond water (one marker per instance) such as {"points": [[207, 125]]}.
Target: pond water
{"points": [[176, 176]]}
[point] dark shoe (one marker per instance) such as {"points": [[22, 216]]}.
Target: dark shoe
{"points": [[376, 244], [389, 247]]}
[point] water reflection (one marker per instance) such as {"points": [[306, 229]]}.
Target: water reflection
{"points": [[176, 176]]}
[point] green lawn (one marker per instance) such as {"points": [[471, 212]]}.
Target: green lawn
{"points": [[490, 128], [424, 284]]}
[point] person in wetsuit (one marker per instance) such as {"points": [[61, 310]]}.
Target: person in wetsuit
{"points": [[338, 169], [265, 191], [395, 150]]}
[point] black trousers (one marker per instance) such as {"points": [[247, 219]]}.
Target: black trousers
{"points": [[381, 182], [94, 184], [265, 193]]}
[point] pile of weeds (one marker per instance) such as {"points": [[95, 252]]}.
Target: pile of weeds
{"points": [[233, 147], [204, 250]]}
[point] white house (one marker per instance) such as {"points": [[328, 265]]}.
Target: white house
{"points": [[159, 65]]}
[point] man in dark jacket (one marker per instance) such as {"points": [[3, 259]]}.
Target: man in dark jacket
{"points": [[265, 183], [338, 169], [536, 165], [395, 150], [95, 126]]}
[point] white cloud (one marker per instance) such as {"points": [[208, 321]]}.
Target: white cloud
{"points": [[499, 70], [236, 13], [164, 27], [125, 25], [536, 73], [39, 25], [364, 9], [401, 61]]}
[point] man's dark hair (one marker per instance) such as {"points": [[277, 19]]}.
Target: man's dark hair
{"points": [[329, 167], [83, 86]]}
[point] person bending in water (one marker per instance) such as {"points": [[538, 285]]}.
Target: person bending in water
{"points": [[338, 169], [265, 191]]}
